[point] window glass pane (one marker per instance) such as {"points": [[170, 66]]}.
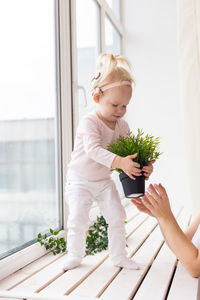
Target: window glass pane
{"points": [[115, 5], [112, 38], [29, 200], [88, 48]]}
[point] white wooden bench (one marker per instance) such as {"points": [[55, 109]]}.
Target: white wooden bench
{"points": [[160, 276]]}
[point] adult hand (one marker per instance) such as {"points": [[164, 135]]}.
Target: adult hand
{"points": [[157, 202], [140, 206], [148, 169]]}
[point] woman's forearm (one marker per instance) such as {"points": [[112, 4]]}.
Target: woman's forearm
{"points": [[182, 247], [157, 202]]}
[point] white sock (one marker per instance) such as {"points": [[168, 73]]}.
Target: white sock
{"points": [[71, 263], [128, 263]]}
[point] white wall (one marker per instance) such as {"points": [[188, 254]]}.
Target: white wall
{"points": [[151, 45]]}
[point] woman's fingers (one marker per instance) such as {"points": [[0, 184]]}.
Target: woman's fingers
{"points": [[162, 191], [141, 207], [137, 200], [146, 201], [151, 199], [153, 192], [138, 205]]}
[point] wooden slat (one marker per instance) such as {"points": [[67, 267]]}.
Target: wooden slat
{"points": [[155, 284], [126, 283], [42, 277], [55, 270], [163, 265], [183, 285], [8, 298], [97, 277], [73, 277], [96, 282], [134, 223], [32, 296], [131, 211], [28, 271], [40, 263]]}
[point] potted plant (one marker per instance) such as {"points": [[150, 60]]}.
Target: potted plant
{"points": [[146, 147]]}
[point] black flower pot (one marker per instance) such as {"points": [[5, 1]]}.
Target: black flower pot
{"points": [[132, 188]]}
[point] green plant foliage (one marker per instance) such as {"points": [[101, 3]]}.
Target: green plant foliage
{"points": [[146, 146], [97, 239], [54, 244]]}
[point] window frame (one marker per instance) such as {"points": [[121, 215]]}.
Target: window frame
{"points": [[105, 11], [14, 262]]}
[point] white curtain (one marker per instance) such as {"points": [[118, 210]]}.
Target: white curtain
{"points": [[189, 62]]}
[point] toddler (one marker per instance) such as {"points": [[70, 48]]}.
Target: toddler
{"points": [[89, 170]]}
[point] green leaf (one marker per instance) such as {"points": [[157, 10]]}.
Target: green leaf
{"points": [[97, 238], [145, 146], [56, 246]]}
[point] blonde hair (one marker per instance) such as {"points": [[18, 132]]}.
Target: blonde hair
{"points": [[111, 68]]}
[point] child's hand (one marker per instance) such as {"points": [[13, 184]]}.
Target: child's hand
{"points": [[130, 167], [148, 169]]}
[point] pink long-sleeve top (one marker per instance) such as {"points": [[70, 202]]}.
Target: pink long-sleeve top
{"points": [[90, 159]]}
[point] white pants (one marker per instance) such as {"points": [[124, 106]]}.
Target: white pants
{"points": [[80, 194]]}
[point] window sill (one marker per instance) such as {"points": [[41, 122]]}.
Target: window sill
{"points": [[18, 260]]}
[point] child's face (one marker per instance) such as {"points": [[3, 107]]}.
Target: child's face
{"points": [[112, 103]]}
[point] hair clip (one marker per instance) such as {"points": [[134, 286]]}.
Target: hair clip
{"points": [[97, 76], [97, 90]]}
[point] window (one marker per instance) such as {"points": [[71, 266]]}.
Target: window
{"points": [[112, 38], [88, 49], [29, 148], [101, 32]]}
